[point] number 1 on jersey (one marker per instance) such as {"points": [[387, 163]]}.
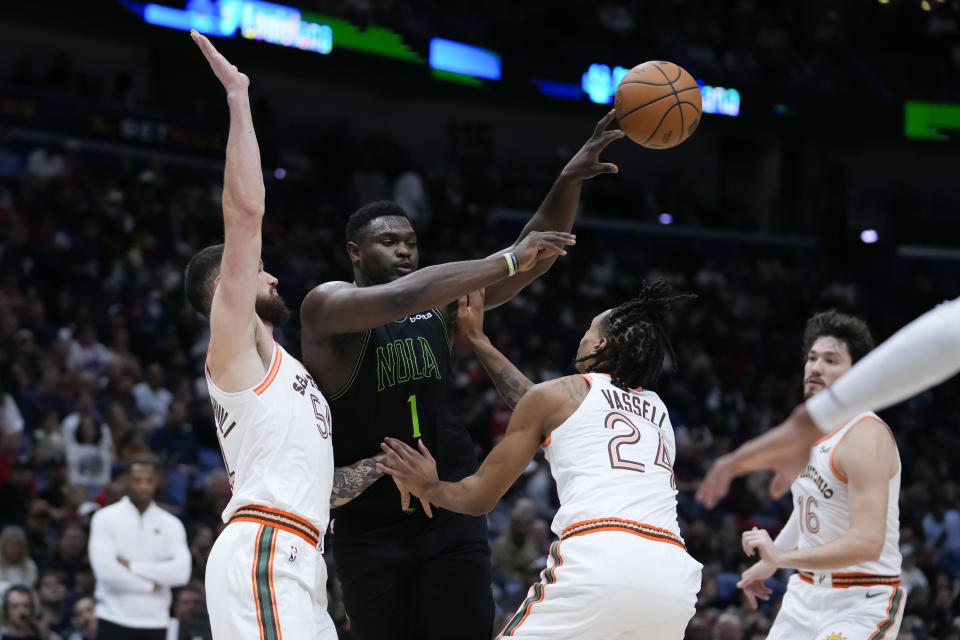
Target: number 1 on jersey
{"points": [[412, 401]]}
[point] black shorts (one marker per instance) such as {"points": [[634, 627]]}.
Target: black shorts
{"points": [[419, 580], [109, 631]]}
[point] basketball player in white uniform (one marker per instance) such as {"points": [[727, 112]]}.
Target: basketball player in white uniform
{"points": [[619, 568], [922, 354], [266, 578], [843, 535]]}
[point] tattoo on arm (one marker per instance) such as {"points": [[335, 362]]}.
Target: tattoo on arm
{"points": [[352, 480], [510, 384]]}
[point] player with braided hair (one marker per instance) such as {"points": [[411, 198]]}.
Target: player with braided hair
{"points": [[636, 340], [620, 566]]}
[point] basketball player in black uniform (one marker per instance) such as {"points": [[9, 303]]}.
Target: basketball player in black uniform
{"points": [[379, 348]]}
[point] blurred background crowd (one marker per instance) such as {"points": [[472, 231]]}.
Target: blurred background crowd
{"points": [[101, 359]]}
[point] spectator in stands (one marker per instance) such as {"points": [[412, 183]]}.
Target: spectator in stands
{"points": [[21, 616], [728, 626], [941, 527], [18, 490], [152, 398], [87, 352], [514, 550], [174, 440], [138, 552], [10, 417], [89, 453], [84, 622], [52, 592], [69, 551], [16, 566], [911, 576], [188, 621], [47, 396]]}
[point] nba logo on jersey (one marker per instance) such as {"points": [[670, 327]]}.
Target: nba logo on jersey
{"points": [[293, 554]]}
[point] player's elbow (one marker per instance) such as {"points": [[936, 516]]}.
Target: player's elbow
{"points": [[479, 505], [403, 297], [247, 207], [875, 549], [871, 547]]}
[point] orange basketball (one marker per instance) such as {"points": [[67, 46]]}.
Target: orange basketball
{"points": [[658, 104]]}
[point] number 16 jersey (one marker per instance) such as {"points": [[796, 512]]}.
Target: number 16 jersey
{"points": [[821, 499], [613, 458]]}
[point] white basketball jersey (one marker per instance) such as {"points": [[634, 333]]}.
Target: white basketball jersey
{"points": [[276, 442], [613, 457], [820, 499]]}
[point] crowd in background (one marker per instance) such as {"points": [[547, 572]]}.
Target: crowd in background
{"points": [[101, 361]]}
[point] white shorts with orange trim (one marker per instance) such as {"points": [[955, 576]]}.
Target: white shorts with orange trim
{"points": [[823, 612], [609, 584], [265, 582]]}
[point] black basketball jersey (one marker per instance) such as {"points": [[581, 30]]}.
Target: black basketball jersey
{"points": [[397, 389]]}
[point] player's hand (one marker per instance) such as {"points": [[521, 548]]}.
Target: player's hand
{"points": [[751, 581], [228, 75], [785, 449], [586, 164], [470, 314], [417, 471], [759, 541], [405, 500], [541, 245]]}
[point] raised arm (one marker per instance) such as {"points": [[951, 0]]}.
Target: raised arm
{"points": [[479, 493], [511, 384], [233, 360], [559, 208], [341, 307]]}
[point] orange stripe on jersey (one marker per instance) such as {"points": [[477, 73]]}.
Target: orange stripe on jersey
{"points": [[827, 436], [846, 580], [271, 376], [647, 531], [637, 389], [587, 378], [842, 478], [546, 441]]}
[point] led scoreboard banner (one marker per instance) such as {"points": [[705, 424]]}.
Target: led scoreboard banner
{"points": [[254, 19], [448, 60]]}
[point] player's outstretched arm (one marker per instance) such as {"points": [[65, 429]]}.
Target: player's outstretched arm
{"points": [[785, 449], [233, 360], [867, 456], [559, 209], [341, 307], [922, 354], [352, 480], [511, 384], [479, 493]]}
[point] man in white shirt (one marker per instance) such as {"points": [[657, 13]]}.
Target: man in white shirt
{"points": [[138, 552]]}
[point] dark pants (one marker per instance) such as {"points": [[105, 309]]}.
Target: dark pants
{"points": [[418, 581], [109, 631]]}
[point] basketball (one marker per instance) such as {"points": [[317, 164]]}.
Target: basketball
{"points": [[658, 104]]}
